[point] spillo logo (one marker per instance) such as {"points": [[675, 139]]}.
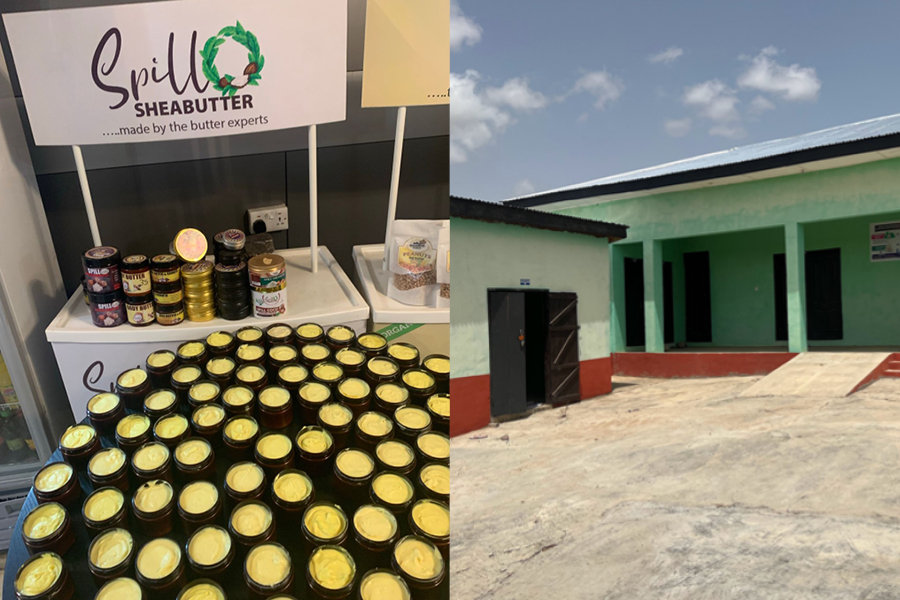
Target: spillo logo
{"points": [[229, 84]]}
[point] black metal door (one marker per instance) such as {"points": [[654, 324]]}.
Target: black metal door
{"points": [[781, 324], [668, 305], [697, 297], [634, 302], [562, 372], [506, 328], [824, 308]]}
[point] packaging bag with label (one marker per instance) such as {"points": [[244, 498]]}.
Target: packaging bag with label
{"points": [[442, 289], [412, 261]]}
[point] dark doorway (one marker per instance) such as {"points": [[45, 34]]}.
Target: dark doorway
{"points": [[634, 303], [824, 308], [562, 366], [506, 322], [697, 297], [535, 345]]}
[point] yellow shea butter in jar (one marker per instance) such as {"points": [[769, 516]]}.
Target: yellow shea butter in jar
{"points": [[273, 446], [292, 486], [209, 415], [158, 558], [250, 373], [106, 462], [160, 399], [274, 397], [43, 521], [53, 477], [324, 521], [132, 378], [401, 352], [355, 463], [160, 359], [392, 488], [439, 405], [237, 396], [309, 330], [103, 504], [392, 393], [339, 333], [191, 349], [335, 415], [220, 366], [314, 441], [315, 352], [209, 545], [434, 445], [354, 388], [327, 371], [171, 426], [192, 451], [412, 417], [374, 424], [432, 518], [202, 591], [383, 585], [241, 428], [418, 559], [103, 403], [244, 477], [203, 392], [39, 575], [268, 564], [375, 523], [332, 567], [120, 588], [283, 353], [418, 379], [438, 364], [186, 374], [293, 373], [219, 338], [251, 334], [132, 426], [350, 357], [394, 454], [251, 519], [150, 456], [436, 478], [110, 548], [314, 392], [198, 497], [153, 496], [381, 366], [371, 341], [250, 352], [77, 436]]}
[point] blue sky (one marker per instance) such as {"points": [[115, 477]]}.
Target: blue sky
{"points": [[546, 94]]}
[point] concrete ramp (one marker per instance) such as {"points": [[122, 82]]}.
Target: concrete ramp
{"points": [[821, 374]]}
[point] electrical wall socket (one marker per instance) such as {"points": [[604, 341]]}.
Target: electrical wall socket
{"points": [[267, 219]]}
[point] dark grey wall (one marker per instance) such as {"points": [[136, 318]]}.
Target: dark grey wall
{"points": [[140, 208]]}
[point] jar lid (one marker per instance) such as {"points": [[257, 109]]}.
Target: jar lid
{"points": [[237, 267], [233, 239], [190, 245], [107, 298], [165, 262], [101, 256], [170, 309], [197, 269], [135, 261], [139, 299], [266, 263], [166, 287]]}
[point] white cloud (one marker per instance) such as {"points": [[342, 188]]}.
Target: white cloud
{"points": [[666, 56], [477, 114], [729, 131], [677, 127], [714, 100], [790, 83], [760, 104], [463, 30], [523, 188], [604, 87]]}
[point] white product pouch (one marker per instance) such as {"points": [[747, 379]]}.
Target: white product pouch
{"points": [[442, 289], [413, 261]]}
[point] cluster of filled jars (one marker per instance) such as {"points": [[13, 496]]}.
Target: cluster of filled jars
{"points": [[341, 440]]}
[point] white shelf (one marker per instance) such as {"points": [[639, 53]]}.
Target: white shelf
{"points": [[326, 297], [374, 282]]}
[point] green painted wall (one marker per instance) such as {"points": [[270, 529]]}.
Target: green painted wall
{"points": [[496, 255]]}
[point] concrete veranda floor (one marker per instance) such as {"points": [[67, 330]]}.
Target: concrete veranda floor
{"points": [[678, 489]]}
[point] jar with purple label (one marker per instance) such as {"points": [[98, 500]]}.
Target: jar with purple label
{"points": [[108, 310], [101, 270]]}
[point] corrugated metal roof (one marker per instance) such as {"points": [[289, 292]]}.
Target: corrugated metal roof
{"points": [[853, 132]]}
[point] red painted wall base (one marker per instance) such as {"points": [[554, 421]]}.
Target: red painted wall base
{"points": [[889, 367], [697, 364], [596, 377]]}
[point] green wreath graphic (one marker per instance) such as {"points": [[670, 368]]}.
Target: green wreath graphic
{"points": [[228, 84]]}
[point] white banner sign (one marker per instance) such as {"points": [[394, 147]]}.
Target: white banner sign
{"points": [[180, 69], [884, 241]]}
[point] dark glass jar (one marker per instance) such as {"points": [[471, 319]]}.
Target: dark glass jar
{"points": [[117, 544], [328, 554], [104, 410], [253, 376], [433, 446], [353, 473], [203, 392], [371, 429], [411, 422], [250, 354], [392, 491], [207, 422], [172, 429], [260, 582], [430, 519], [372, 344], [123, 587], [315, 450], [438, 406], [438, 366], [250, 523], [188, 591], [199, 504], [194, 459], [108, 310], [355, 394], [291, 376], [249, 335], [310, 398], [280, 355], [337, 420], [244, 481], [153, 505], [308, 333], [433, 481], [406, 355], [183, 377], [375, 530], [239, 437], [160, 403], [139, 310], [339, 336], [109, 467], [351, 360], [57, 482], [324, 523], [292, 492], [131, 386], [152, 461], [194, 352], [277, 334], [48, 528], [421, 586], [327, 373], [63, 588], [381, 369], [313, 354], [221, 369], [78, 444], [395, 455], [275, 408], [104, 509], [202, 562], [132, 432], [274, 452], [239, 400], [220, 343], [162, 584], [160, 365], [374, 576], [168, 294], [421, 385], [165, 268], [388, 397], [170, 314]]}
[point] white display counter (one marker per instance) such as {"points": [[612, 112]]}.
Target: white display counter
{"points": [[90, 358], [425, 327]]}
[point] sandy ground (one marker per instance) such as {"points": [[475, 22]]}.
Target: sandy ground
{"points": [[680, 489]]}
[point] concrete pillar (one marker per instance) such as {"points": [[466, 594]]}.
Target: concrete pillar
{"points": [[617, 299], [653, 296], [795, 266]]}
